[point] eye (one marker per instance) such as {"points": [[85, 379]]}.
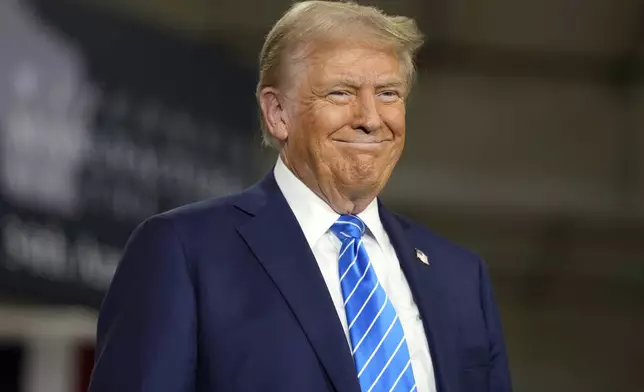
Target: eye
{"points": [[388, 95], [340, 96]]}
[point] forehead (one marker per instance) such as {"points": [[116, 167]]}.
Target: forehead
{"points": [[353, 63]]}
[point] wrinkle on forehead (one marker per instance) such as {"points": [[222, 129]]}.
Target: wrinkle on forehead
{"points": [[324, 57], [350, 67]]}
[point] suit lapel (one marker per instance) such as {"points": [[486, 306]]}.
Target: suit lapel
{"points": [[425, 286], [277, 241]]}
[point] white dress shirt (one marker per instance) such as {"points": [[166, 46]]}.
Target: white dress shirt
{"points": [[316, 218]]}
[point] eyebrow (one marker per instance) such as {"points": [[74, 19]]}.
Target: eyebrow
{"points": [[354, 83], [391, 83]]}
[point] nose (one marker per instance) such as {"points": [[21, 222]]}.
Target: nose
{"points": [[367, 118]]}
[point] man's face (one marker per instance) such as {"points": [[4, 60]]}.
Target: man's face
{"points": [[345, 120]]}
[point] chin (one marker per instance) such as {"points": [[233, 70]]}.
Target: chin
{"points": [[360, 171], [363, 183]]}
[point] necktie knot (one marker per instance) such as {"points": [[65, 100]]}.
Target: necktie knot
{"points": [[347, 227]]}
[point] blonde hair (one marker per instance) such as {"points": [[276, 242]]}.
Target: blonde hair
{"points": [[310, 21]]}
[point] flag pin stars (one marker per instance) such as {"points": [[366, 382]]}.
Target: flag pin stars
{"points": [[420, 255]]}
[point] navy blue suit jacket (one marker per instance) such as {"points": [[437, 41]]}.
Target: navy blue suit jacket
{"points": [[226, 296]]}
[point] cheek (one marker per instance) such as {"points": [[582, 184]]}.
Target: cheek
{"points": [[326, 122], [332, 118], [394, 117]]}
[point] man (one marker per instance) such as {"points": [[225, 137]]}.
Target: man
{"points": [[305, 282]]}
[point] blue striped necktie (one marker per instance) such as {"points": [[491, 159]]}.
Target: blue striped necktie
{"points": [[378, 341]]}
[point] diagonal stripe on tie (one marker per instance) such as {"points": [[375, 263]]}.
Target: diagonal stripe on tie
{"points": [[375, 350], [364, 305], [373, 322], [386, 367], [402, 373], [378, 341], [352, 290]]}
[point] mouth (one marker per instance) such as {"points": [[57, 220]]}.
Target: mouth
{"points": [[362, 143]]}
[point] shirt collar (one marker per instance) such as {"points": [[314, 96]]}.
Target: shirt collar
{"points": [[313, 214]]}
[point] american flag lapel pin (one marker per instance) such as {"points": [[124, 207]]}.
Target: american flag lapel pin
{"points": [[420, 255]]}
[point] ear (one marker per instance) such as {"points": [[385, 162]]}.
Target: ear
{"points": [[274, 113]]}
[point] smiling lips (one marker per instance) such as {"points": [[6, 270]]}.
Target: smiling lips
{"points": [[362, 143]]}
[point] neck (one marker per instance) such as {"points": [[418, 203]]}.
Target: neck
{"points": [[344, 203]]}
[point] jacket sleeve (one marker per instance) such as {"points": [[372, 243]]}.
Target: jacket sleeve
{"points": [[500, 380], [146, 338]]}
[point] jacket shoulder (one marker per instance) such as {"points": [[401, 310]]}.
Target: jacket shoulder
{"points": [[195, 220], [194, 212]]}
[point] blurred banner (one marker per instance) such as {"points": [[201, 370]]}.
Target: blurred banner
{"points": [[103, 123]]}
